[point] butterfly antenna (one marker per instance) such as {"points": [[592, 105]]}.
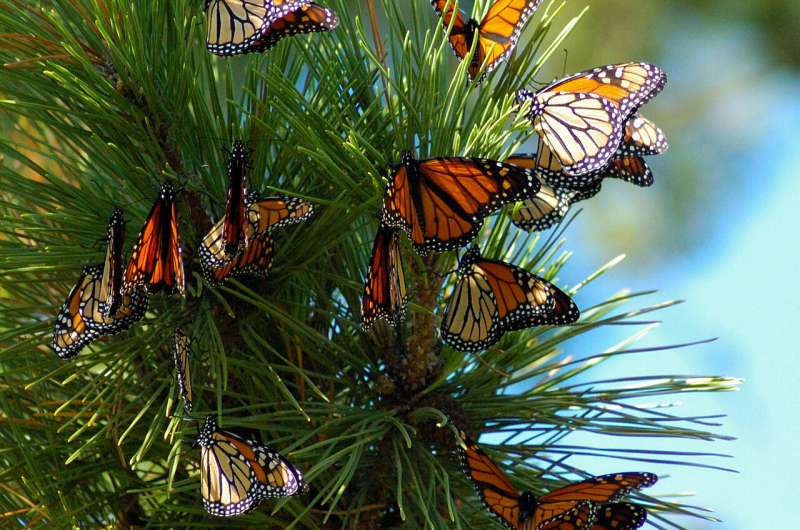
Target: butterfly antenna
{"points": [[564, 66]]}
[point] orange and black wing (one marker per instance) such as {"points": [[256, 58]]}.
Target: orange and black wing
{"points": [[295, 18], [180, 353], [492, 485], [265, 214], [544, 209], [71, 334], [233, 229], [385, 288], [631, 169], [602, 489], [441, 203], [492, 297], [500, 29], [156, 261], [111, 287], [238, 472], [254, 260], [619, 516], [628, 85], [461, 35], [643, 138], [235, 26], [564, 515]]}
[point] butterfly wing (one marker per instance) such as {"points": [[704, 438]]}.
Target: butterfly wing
{"points": [[237, 473], [111, 286], [544, 209], [492, 297], [384, 290], [563, 515], [492, 485], [500, 29], [619, 516], [643, 137], [71, 334], [156, 260], [271, 213], [631, 169], [235, 209], [234, 26], [605, 488], [628, 85], [254, 260], [441, 203], [460, 36], [132, 307], [298, 17], [583, 131], [180, 352]]}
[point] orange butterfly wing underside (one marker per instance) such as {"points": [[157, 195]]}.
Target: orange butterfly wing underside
{"points": [[384, 291], [492, 485], [500, 29], [255, 259], [458, 35], [148, 263], [565, 515]]}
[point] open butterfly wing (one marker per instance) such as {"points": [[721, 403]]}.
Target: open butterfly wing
{"points": [[254, 260], [544, 209], [271, 213], [441, 203], [500, 29], [563, 515], [234, 26], [619, 516], [156, 261], [296, 18], [384, 290], [492, 485], [238, 473], [605, 488]]}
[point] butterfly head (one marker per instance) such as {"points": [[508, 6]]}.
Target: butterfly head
{"points": [[527, 505], [116, 224], [524, 95], [167, 191]]}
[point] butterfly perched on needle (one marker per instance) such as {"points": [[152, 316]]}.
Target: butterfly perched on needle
{"points": [[497, 33], [440, 203], [593, 504], [250, 26], [96, 305], [157, 261], [492, 297], [582, 118], [238, 471], [385, 294], [180, 353]]}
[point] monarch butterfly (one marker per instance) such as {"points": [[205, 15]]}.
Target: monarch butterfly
{"points": [[270, 213], [237, 472], [80, 321], [497, 33], [156, 260], [247, 26], [111, 287], [491, 297], [440, 203], [254, 260], [591, 504], [227, 237], [581, 118], [295, 17], [180, 352], [385, 289]]}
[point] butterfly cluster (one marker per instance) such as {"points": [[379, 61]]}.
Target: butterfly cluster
{"points": [[589, 129]]}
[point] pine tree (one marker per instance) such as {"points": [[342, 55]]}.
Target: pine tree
{"points": [[102, 100]]}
